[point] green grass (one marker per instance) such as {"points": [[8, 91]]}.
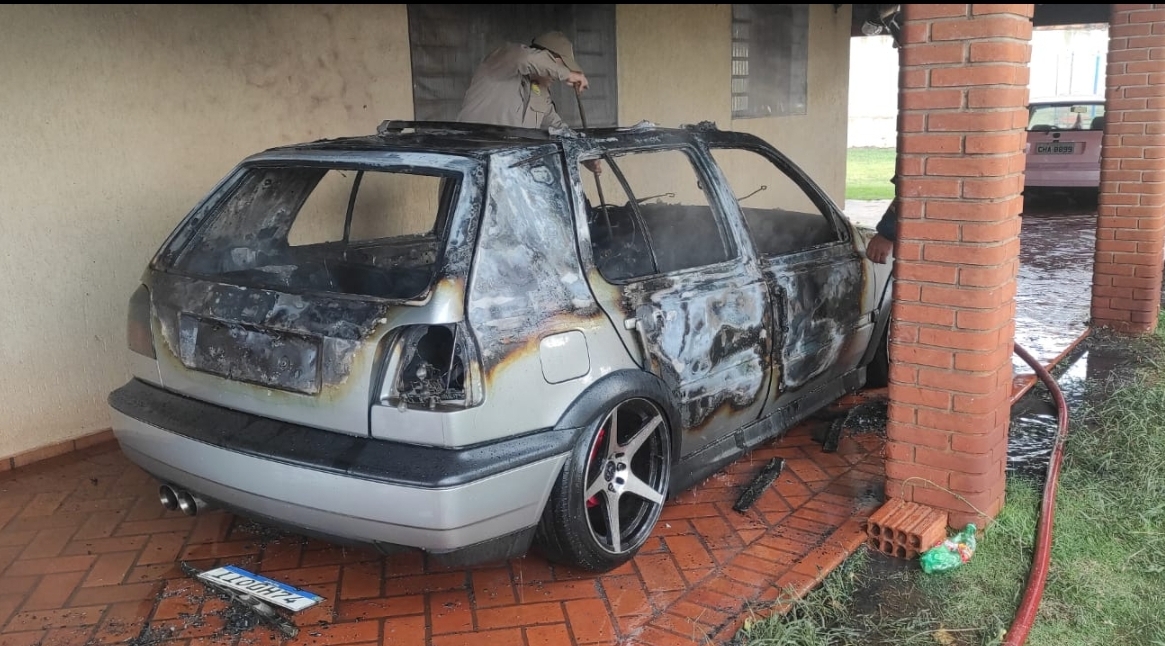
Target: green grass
{"points": [[1106, 585], [868, 172], [826, 617]]}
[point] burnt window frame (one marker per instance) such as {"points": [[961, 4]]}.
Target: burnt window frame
{"points": [[178, 244], [703, 174], [829, 210]]}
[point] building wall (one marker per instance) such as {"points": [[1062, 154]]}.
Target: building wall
{"points": [[674, 63], [117, 119]]}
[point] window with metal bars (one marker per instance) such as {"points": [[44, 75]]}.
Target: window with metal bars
{"points": [[770, 60], [448, 41]]}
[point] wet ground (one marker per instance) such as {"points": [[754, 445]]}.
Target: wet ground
{"points": [[1054, 285]]}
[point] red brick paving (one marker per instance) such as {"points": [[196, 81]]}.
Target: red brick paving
{"points": [[88, 556]]}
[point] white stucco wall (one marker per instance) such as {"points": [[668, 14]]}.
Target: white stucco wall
{"points": [[675, 64], [116, 120]]}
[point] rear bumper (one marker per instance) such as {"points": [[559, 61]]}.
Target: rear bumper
{"points": [[358, 489], [1047, 178]]}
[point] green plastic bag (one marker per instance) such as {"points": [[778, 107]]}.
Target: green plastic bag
{"points": [[950, 553]]}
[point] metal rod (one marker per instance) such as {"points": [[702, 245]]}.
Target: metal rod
{"points": [[582, 113]]}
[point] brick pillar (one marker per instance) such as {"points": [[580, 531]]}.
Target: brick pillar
{"points": [[1130, 227], [962, 114]]}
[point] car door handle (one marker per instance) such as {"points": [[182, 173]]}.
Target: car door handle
{"points": [[631, 323]]}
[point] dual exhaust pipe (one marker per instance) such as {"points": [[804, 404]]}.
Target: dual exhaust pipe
{"points": [[185, 501]]}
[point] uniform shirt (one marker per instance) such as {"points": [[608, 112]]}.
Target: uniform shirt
{"points": [[888, 225], [502, 94]]}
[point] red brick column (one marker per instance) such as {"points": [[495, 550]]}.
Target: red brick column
{"points": [[1130, 228], [963, 108]]}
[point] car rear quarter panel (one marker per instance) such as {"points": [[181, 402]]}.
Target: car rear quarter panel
{"points": [[527, 287]]}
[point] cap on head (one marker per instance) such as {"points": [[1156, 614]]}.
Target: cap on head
{"points": [[558, 44]]}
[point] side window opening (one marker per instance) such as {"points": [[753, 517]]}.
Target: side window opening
{"points": [[648, 214], [781, 216]]}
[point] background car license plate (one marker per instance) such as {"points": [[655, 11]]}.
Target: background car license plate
{"points": [[1066, 148], [273, 592]]}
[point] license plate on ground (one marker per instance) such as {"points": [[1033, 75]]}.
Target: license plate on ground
{"points": [[1066, 148], [260, 587]]}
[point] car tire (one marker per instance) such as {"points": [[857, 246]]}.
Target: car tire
{"points": [[622, 462], [878, 370]]}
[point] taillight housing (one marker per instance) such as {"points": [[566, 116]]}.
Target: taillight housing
{"points": [[432, 367], [139, 336]]}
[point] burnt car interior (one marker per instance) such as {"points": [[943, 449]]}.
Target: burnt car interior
{"points": [[781, 217], [309, 228], [656, 220], [652, 226]]}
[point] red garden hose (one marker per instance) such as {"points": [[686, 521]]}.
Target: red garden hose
{"points": [[1025, 614]]}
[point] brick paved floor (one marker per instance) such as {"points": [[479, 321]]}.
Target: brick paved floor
{"points": [[88, 556]]}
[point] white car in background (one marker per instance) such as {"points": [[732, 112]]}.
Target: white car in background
{"points": [[1063, 143]]}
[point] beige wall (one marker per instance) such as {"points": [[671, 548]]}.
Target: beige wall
{"points": [[674, 68], [115, 120]]}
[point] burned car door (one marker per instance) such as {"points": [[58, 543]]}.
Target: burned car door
{"points": [[667, 267], [816, 277]]}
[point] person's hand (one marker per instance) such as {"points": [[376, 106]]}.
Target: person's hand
{"points": [[578, 81], [879, 249], [594, 165]]}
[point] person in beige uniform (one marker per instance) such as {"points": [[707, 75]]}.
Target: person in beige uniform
{"points": [[511, 87]]}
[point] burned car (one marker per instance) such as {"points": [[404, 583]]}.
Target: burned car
{"points": [[458, 338]]}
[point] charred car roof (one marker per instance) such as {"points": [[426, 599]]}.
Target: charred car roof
{"points": [[476, 140]]}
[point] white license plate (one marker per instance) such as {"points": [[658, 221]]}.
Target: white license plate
{"points": [[260, 587], [1066, 148]]}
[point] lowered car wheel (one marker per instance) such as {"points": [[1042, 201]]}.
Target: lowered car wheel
{"points": [[611, 492]]}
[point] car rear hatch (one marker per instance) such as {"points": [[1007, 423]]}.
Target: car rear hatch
{"points": [[1063, 145], [276, 296]]}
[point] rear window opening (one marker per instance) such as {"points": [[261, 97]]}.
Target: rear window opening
{"points": [[1065, 116], [376, 233]]}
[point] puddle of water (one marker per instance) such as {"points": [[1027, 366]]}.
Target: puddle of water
{"points": [[1106, 362], [1054, 285], [1033, 422]]}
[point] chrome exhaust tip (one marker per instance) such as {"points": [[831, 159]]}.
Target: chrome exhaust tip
{"points": [[188, 503], [168, 497]]}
